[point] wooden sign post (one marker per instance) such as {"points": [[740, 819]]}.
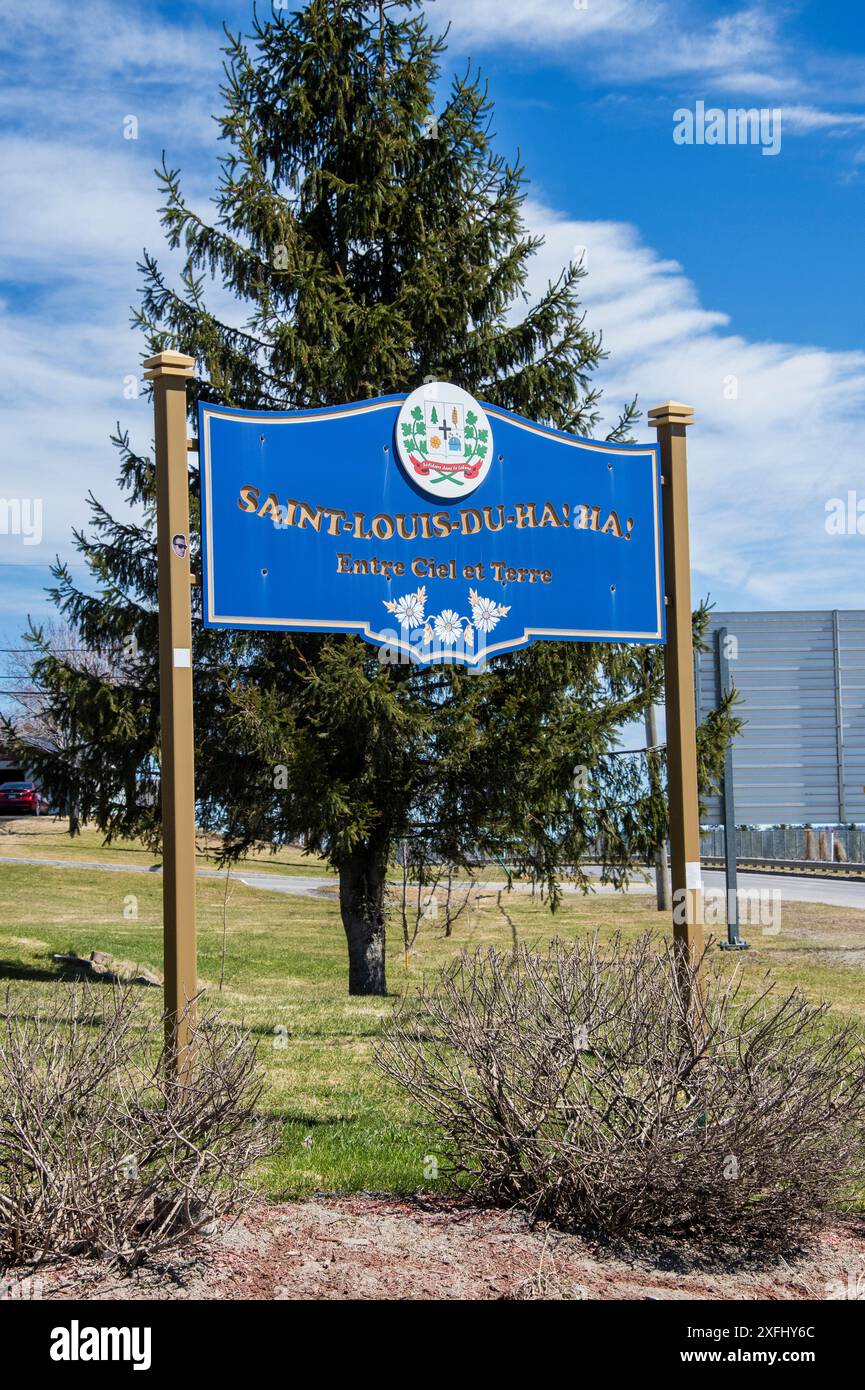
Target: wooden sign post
{"points": [[170, 372], [671, 420]]}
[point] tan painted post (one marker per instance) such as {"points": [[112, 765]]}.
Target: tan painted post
{"points": [[170, 372], [671, 421]]}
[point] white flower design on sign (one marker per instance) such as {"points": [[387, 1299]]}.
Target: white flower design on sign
{"points": [[485, 611], [409, 609], [449, 626]]}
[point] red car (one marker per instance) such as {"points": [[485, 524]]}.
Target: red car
{"points": [[21, 799]]}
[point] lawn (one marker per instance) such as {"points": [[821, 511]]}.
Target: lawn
{"points": [[343, 1126], [44, 837]]}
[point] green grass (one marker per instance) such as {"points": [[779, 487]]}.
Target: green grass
{"points": [[45, 837], [344, 1127]]}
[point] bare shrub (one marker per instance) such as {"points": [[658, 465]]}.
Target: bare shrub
{"points": [[583, 1087], [548, 1283], [429, 893], [102, 1151]]}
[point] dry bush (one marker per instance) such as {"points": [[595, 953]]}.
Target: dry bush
{"points": [[102, 1151], [583, 1088]]}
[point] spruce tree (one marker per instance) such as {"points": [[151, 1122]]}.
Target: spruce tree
{"points": [[370, 241]]}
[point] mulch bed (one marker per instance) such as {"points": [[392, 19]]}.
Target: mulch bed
{"points": [[368, 1246]]}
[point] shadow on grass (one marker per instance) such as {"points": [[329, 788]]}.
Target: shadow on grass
{"points": [[67, 975], [264, 1031], [17, 970], [293, 1117]]}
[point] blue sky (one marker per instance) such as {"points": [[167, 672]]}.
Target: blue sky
{"points": [[721, 276]]}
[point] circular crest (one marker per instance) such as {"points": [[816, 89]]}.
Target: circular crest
{"points": [[444, 440]]}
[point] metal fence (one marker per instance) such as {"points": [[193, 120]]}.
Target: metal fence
{"points": [[801, 755], [785, 842]]}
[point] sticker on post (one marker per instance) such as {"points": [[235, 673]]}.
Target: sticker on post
{"points": [[182, 656]]}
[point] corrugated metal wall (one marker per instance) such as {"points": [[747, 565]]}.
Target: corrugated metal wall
{"points": [[852, 652], [801, 754]]}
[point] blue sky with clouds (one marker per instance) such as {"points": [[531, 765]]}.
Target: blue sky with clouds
{"points": [[721, 276]]}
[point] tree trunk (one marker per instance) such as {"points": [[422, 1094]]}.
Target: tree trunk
{"points": [[361, 903]]}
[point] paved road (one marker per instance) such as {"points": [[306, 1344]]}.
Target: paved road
{"points": [[302, 885], [297, 885], [792, 887], [796, 888]]}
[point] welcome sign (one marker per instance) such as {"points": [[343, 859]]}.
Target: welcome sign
{"points": [[440, 528]]}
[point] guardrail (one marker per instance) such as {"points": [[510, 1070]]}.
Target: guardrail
{"points": [[823, 866]]}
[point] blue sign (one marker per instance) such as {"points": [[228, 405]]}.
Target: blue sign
{"points": [[438, 527]]}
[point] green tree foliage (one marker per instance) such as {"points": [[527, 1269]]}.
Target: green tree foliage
{"points": [[369, 240]]}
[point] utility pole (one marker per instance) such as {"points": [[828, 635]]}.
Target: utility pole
{"points": [[734, 941]]}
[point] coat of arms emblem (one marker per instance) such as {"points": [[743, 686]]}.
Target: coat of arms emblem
{"points": [[444, 440]]}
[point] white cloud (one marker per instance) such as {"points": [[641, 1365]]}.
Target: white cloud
{"points": [[763, 465], [805, 119], [75, 221], [69, 208], [541, 23], [78, 77], [726, 46], [95, 39], [672, 44], [74, 224]]}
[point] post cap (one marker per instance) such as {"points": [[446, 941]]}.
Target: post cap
{"points": [[168, 364], [671, 413]]}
